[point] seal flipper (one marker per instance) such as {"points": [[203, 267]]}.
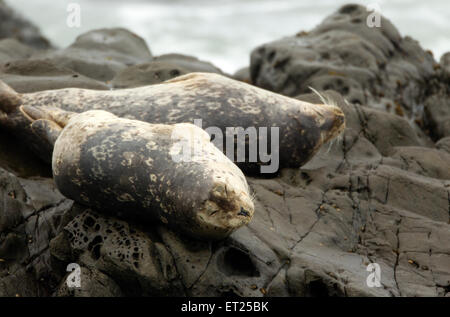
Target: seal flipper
{"points": [[46, 130], [9, 99], [33, 113], [47, 122]]}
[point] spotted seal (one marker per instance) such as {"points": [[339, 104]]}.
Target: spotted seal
{"points": [[142, 171], [219, 102]]}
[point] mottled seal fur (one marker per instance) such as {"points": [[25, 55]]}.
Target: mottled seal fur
{"points": [[126, 168], [217, 100]]}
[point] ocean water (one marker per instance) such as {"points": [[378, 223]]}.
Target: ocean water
{"points": [[225, 31]]}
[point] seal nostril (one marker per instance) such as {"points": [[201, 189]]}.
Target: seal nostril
{"points": [[243, 212]]}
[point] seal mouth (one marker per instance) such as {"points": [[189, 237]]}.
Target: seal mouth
{"points": [[226, 209], [244, 212]]}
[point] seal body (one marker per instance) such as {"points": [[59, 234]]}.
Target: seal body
{"points": [[219, 102], [135, 170]]}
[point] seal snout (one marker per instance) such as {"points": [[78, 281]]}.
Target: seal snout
{"points": [[333, 124], [339, 120], [227, 208], [225, 198]]}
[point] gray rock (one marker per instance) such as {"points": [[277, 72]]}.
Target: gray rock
{"points": [[100, 54], [36, 75], [243, 74], [94, 284], [147, 74], [436, 120], [11, 49], [445, 65], [444, 144], [32, 212], [190, 63], [13, 25], [162, 68], [424, 161], [137, 263], [383, 130], [368, 66], [437, 111], [15, 157], [177, 265]]}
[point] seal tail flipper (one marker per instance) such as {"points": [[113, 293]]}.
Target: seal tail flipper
{"points": [[47, 130], [46, 122], [59, 116], [9, 99]]}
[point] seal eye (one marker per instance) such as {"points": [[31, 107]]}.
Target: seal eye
{"points": [[243, 212]]}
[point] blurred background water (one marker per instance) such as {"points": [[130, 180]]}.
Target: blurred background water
{"points": [[225, 31]]}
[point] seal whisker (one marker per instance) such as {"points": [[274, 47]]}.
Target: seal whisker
{"points": [[253, 196], [330, 145], [324, 98]]}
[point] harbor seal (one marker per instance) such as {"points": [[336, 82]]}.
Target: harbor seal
{"points": [[134, 170], [295, 129]]}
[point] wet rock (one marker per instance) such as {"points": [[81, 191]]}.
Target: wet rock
{"points": [[380, 129], [15, 157], [137, 263], [424, 161], [424, 196], [242, 265], [147, 74], [437, 111], [375, 209], [12, 49], [191, 257], [13, 25], [161, 262], [190, 63], [17, 283], [368, 66], [32, 212], [100, 54], [445, 65], [162, 68], [36, 75], [444, 144], [243, 74], [436, 119], [94, 284]]}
